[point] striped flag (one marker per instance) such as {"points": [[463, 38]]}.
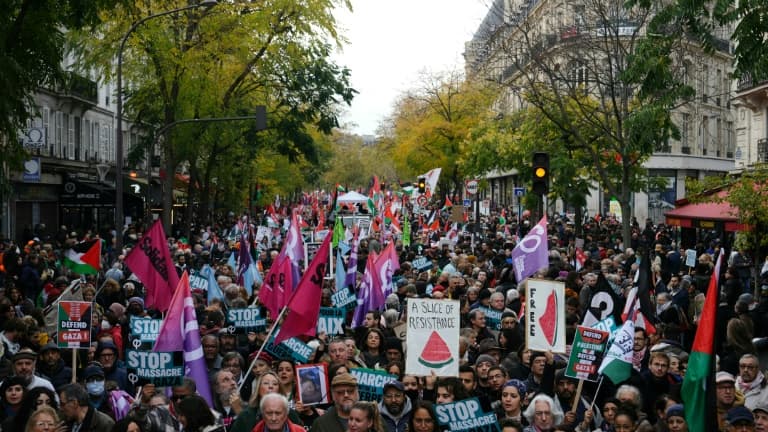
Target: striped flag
{"points": [[617, 364], [85, 257], [351, 279], [370, 297], [179, 332]]}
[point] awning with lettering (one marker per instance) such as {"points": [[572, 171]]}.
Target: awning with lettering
{"points": [[706, 215], [78, 194]]}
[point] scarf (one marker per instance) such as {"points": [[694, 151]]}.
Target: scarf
{"points": [[637, 358]]}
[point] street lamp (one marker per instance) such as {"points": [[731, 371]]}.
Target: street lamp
{"points": [[119, 214]]}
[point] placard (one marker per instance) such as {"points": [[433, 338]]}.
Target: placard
{"points": [[197, 281], [159, 368], [344, 298], [690, 257], [466, 415], [432, 337], [143, 332], [370, 383], [492, 318], [422, 263], [312, 382], [545, 315], [331, 321], [74, 324], [246, 320], [288, 349], [586, 353]]}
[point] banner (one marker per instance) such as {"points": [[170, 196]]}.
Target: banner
{"points": [[246, 320], [465, 415], [370, 383], [331, 321], [197, 281], [143, 332], [344, 299], [159, 368], [432, 338], [289, 349], [74, 324], [586, 353], [545, 315], [492, 318]]}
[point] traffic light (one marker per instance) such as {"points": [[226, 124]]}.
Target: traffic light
{"points": [[422, 184], [540, 185]]}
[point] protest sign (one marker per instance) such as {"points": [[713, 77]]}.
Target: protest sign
{"points": [[198, 281], [313, 384], [331, 321], [290, 348], [74, 324], [545, 315], [690, 257], [158, 368], [245, 320], [370, 383], [587, 353], [143, 332], [344, 298], [432, 337], [466, 415], [422, 264], [492, 318]]}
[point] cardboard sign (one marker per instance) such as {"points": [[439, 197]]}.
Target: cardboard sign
{"points": [[344, 298], [466, 415], [74, 324], [158, 368], [143, 332], [370, 383], [492, 318], [545, 315], [432, 337], [331, 321], [289, 349], [245, 320], [587, 353]]}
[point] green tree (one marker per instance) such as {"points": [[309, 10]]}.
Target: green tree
{"points": [[31, 56]]}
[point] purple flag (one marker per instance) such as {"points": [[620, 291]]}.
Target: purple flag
{"points": [[179, 332], [351, 279], [244, 265], [370, 297], [532, 253], [386, 265]]}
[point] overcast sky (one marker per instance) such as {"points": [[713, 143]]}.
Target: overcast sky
{"points": [[392, 41]]}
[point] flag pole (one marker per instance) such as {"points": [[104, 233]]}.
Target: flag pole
{"points": [[597, 391], [261, 348]]}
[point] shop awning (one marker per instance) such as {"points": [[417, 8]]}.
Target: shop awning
{"points": [[707, 215]]}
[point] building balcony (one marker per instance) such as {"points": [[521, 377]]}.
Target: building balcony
{"points": [[78, 91]]}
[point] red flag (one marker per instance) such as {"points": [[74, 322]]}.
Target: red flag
{"points": [[276, 288], [304, 306], [151, 261]]}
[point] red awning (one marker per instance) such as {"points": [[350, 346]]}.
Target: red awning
{"points": [[705, 215]]}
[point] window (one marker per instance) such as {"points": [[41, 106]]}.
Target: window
{"points": [[578, 74], [685, 131], [87, 150], [58, 138], [79, 154], [47, 126]]}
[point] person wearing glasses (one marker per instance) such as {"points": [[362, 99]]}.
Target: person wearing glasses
{"points": [[395, 407], [43, 420], [542, 414], [345, 394], [78, 414], [106, 354], [751, 381]]}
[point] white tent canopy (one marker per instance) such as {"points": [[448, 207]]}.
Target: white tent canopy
{"points": [[352, 197]]}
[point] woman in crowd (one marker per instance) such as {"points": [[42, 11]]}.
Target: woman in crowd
{"points": [[365, 417], [676, 419], [610, 406], [542, 414], [35, 399], [395, 368], [127, 424], [513, 394], [423, 418], [449, 390], [626, 420], [286, 372], [193, 413], [371, 349], [44, 419], [12, 393]]}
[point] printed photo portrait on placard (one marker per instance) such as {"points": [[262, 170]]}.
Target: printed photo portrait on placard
{"points": [[312, 382]]}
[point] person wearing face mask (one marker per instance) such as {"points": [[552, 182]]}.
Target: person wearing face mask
{"points": [[110, 326], [98, 398]]}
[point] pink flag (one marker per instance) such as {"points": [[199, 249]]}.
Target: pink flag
{"points": [[386, 265], [304, 306], [179, 332], [150, 260], [275, 292]]}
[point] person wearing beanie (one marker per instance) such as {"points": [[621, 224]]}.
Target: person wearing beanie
{"points": [[542, 374], [51, 366], [483, 365], [675, 418]]}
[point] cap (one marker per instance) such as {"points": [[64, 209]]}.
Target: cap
{"points": [[344, 379], [761, 406], [263, 356], [485, 358], [24, 354], [396, 385], [49, 346], [722, 377], [487, 345], [92, 371], [739, 414], [676, 410]]}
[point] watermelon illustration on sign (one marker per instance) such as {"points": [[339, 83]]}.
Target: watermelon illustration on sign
{"points": [[548, 321], [436, 353]]}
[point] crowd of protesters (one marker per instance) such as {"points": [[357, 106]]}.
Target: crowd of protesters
{"points": [[527, 390]]}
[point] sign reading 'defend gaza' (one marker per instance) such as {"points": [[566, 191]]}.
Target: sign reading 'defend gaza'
{"points": [[432, 337]]}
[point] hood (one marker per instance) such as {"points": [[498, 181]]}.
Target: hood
{"points": [[406, 409]]}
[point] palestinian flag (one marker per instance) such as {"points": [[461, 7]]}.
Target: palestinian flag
{"points": [[84, 258], [699, 379]]}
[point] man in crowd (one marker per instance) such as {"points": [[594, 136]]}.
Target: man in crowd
{"points": [[274, 413], [395, 407], [727, 397], [107, 354], [23, 365], [344, 391], [78, 414], [751, 382], [225, 393], [52, 367]]}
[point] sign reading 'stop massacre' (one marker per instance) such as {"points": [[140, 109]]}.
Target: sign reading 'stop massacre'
{"points": [[466, 416]]}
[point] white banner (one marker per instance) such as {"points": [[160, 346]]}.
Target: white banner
{"points": [[545, 315], [432, 338]]}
